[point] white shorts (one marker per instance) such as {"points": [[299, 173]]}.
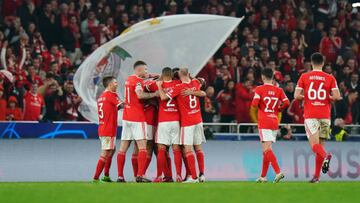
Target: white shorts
{"points": [[192, 135], [313, 125], [132, 130], [107, 142], [150, 132], [168, 133], [267, 135]]}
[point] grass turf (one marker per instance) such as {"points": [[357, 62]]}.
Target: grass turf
{"points": [[219, 192]]}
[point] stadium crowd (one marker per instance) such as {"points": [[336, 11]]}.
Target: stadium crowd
{"points": [[44, 41]]}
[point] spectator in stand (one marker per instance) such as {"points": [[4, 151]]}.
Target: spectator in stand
{"points": [[244, 95], [208, 105], [34, 106], [226, 99], [330, 45], [70, 102], [296, 111], [349, 108], [13, 112], [3, 104], [51, 91], [89, 30], [354, 83]]}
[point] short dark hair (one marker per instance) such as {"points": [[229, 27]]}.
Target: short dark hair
{"points": [[267, 73], [139, 63], [106, 80], [317, 58], [166, 72]]}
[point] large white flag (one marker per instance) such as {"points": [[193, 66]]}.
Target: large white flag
{"points": [[173, 41]]}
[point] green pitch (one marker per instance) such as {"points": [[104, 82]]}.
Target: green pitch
{"points": [[219, 192]]}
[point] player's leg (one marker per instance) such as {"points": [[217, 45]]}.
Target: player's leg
{"points": [[187, 168], [199, 138], [177, 151], [108, 161], [268, 137], [134, 159], [142, 144], [324, 135], [168, 169], [161, 161], [106, 147], [187, 139], [318, 164], [150, 150], [121, 156]]}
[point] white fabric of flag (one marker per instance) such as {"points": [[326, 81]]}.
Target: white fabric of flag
{"points": [[170, 41]]}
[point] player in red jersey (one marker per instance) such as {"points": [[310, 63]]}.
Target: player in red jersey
{"points": [[268, 101], [134, 121], [168, 132], [317, 89], [192, 132], [108, 105]]}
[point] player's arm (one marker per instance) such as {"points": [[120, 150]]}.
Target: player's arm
{"points": [[198, 93], [335, 93], [299, 90], [162, 93], [254, 108], [141, 94]]}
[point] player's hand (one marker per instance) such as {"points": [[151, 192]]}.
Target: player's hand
{"points": [[300, 97], [187, 92], [159, 83]]}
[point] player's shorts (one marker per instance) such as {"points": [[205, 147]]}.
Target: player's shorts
{"points": [[192, 135], [168, 133], [313, 125], [107, 142], [267, 135], [132, 130], [150, 132]]}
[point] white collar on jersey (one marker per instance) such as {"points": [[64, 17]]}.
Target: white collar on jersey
{"points": [[317, 70], [168, 81], [266, 83]]}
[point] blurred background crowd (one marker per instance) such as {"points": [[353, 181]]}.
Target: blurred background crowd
{"points": [[43, 42]]}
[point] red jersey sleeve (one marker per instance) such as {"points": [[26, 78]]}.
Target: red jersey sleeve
{"points": [[333, 84], [284, 100], [175, 91], [151, 86], [300, 84], [256, 98]]}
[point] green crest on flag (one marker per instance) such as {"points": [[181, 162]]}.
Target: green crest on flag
{"points": [[122, 53]]}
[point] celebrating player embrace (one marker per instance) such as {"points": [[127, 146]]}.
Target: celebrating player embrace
{"points": [[269, 101], [317, 89]]}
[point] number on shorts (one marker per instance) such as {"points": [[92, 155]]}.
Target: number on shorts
{"points": [[319, 94], [192, 101], [268, 101], [101, 112]]}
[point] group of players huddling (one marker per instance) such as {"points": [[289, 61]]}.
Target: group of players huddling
{"points": [[158, 113], [163, 112]]}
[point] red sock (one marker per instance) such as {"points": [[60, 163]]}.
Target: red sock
{"points": [[272, 159], [178, 161], [319, 150], [190, 158], [265, 166], [161, 162], [99, 167], [148, 161], [200, 159], [187, 169], [142, 162], [167, 168], [107, 166], [134, 161], [120, 164], [318, 164]]}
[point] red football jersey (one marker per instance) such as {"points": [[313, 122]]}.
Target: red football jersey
{"points": [[189, 106], [151, 113], [33, 104], [268, 99], [168, 110], [134, 107], [317, 86], [108, 104]]}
